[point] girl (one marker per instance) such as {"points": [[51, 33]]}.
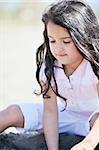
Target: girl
{"points": [[68, 66], [68, 74]]}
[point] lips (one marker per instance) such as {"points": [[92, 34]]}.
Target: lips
{"points": [[61, 55]]}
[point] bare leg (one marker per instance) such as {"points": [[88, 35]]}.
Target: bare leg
{"points": [[11, 117]]}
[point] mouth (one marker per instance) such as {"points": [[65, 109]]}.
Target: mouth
{"points": [[62, 55]]}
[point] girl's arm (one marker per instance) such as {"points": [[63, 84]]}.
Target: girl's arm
{"points": [[51, 121]]}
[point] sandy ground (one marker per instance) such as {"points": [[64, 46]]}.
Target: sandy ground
{"points": [[17, 63]]}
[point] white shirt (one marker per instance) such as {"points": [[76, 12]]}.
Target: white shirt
{"points": [[81, 93]]}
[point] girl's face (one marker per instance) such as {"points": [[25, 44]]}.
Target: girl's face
{"points": [[61, 45]]}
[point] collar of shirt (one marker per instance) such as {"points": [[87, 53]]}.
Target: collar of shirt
{"points": [[78, 73]]}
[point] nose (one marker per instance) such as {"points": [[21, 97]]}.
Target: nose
{"points": [[59, 50]]}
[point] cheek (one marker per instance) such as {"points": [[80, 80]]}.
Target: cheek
{"points": [[72, 50], [53, 53], [52, 49], [75, 55]]}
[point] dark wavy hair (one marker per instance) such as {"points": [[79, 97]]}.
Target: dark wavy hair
{"points": [[80, 21]]}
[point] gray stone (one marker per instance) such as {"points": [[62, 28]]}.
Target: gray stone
{"points": [[13, 141]]}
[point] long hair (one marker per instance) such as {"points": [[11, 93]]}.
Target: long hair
{"points": [[80, 21]]}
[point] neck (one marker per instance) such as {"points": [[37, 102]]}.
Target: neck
{"points": [[70, 68]]}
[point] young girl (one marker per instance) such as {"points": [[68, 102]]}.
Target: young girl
{"points": [[68, 73]]}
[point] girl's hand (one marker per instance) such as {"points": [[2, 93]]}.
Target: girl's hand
{"points": [[84, 145]]}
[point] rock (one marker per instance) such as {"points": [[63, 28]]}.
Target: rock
{"points": [[13, 141]]}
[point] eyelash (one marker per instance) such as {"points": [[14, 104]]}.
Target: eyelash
{"points": [[63, 42], [52, 41], [67, 42]]}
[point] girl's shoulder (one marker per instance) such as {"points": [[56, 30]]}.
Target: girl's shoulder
{"points": [[58, 71], [90, 73]]}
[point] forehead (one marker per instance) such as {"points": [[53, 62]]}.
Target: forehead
{"points": [[55, 30]]}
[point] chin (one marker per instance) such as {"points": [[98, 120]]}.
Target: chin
{"points": [[63, 62]]}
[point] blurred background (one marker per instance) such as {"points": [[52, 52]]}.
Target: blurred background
{"points": [[20, 35]]}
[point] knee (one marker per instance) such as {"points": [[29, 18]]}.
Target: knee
{"points": [[12, 108], [15, 115]]}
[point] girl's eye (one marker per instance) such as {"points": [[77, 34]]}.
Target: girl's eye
{"points": [[67, 42], [52, 41]]}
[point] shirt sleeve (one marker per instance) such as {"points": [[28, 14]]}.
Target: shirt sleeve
{"points": [[42, 75], [87, 124], [95, 112], [96, 81]]}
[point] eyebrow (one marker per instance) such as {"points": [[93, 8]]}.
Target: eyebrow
{"points": [[68, 37]]}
